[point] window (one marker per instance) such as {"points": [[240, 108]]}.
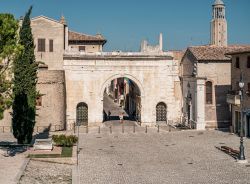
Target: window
{"points": [[209, 92], [248, 62], [81, 48], [51, 45], [237, 63], [39, 101], [41, 45]]}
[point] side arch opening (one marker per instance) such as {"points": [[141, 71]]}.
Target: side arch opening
{"points": [[161, 112], [82, 114]]}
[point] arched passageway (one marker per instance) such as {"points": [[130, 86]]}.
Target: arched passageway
{"points": [[122, 96]]}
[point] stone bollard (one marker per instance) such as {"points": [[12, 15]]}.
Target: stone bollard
{"points": [[87, 129], [158, 128], [122, 128], [110, 129], [134, 128], [169, 128], [146, 131]]}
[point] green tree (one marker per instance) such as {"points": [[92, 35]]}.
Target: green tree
{"points": [[24, 89], [8, 51]]}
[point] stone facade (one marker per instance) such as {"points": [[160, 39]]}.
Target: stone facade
{"points": [[219, 25], [208, 64], [240, 63], [49, 29], [51, 110], [87, 76]]}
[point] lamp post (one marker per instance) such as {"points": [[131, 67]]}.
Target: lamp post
{"points": [[241, 158]]}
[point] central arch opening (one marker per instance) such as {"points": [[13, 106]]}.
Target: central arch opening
{"points": [[122, 97]]}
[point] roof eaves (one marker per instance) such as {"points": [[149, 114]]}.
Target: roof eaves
{"points": [[42, 16]]}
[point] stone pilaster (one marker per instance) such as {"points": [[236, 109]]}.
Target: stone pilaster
{"points": [[200, 104]]}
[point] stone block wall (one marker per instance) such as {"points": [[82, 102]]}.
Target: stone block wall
{"points": [[51, 113]]}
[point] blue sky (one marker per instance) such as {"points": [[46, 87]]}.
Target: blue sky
{"points": [[125, 23]]}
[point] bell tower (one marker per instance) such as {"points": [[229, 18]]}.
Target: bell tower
{"points": [[219, 25]]}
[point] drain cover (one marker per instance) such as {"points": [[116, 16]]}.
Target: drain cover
{"points": [[111, 146], [99, 149], [119, 164], [247, 165], [167, 145], [98, 137], [190, 163]]}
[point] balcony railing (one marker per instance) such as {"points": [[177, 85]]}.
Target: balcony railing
{"points": [[233, 99]]}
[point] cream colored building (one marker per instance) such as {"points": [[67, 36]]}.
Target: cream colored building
{"points": [[87, 76], [206, 76], [240, 63], [74, 72], [52, 38]]}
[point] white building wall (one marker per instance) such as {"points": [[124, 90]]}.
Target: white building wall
{"points": [[86, 80]]}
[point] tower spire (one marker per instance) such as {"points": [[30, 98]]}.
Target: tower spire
{"points": [[219, 24]]}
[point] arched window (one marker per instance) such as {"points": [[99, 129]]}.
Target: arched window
{"points": [[209, 92], [82, 114], [161, 112]]}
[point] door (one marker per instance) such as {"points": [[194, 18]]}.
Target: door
{"points": [[161, 112], [82, 114]]}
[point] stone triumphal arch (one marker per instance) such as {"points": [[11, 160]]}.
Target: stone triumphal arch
{"points": [[88, 74]]}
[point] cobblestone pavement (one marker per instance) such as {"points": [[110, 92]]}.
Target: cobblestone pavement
{"points": [[9, 166], [110, 106], [165, 157], [46, 173]]}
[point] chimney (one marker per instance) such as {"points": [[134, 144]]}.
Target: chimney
{"points": [[160, 42]]}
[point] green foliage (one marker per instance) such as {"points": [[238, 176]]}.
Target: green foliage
{"points": [[9, 48], [66, 152], [8, 37], [63, 140], [23, 119], [24, 89]]}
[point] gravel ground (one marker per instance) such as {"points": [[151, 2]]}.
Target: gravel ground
{"points": [[152, 158], [43, 172]]}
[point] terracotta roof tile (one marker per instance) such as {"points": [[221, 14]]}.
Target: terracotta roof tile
{"points": [[215, 53], [239, 51], [178, 54], [84, 37]]}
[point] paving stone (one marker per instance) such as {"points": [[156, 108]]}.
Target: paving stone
{"points": [[145, 158]]}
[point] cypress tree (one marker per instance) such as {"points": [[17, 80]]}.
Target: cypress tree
{"points": [[24, 89]]}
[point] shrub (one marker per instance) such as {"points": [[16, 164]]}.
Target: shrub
{"points": [[64, 141]]}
